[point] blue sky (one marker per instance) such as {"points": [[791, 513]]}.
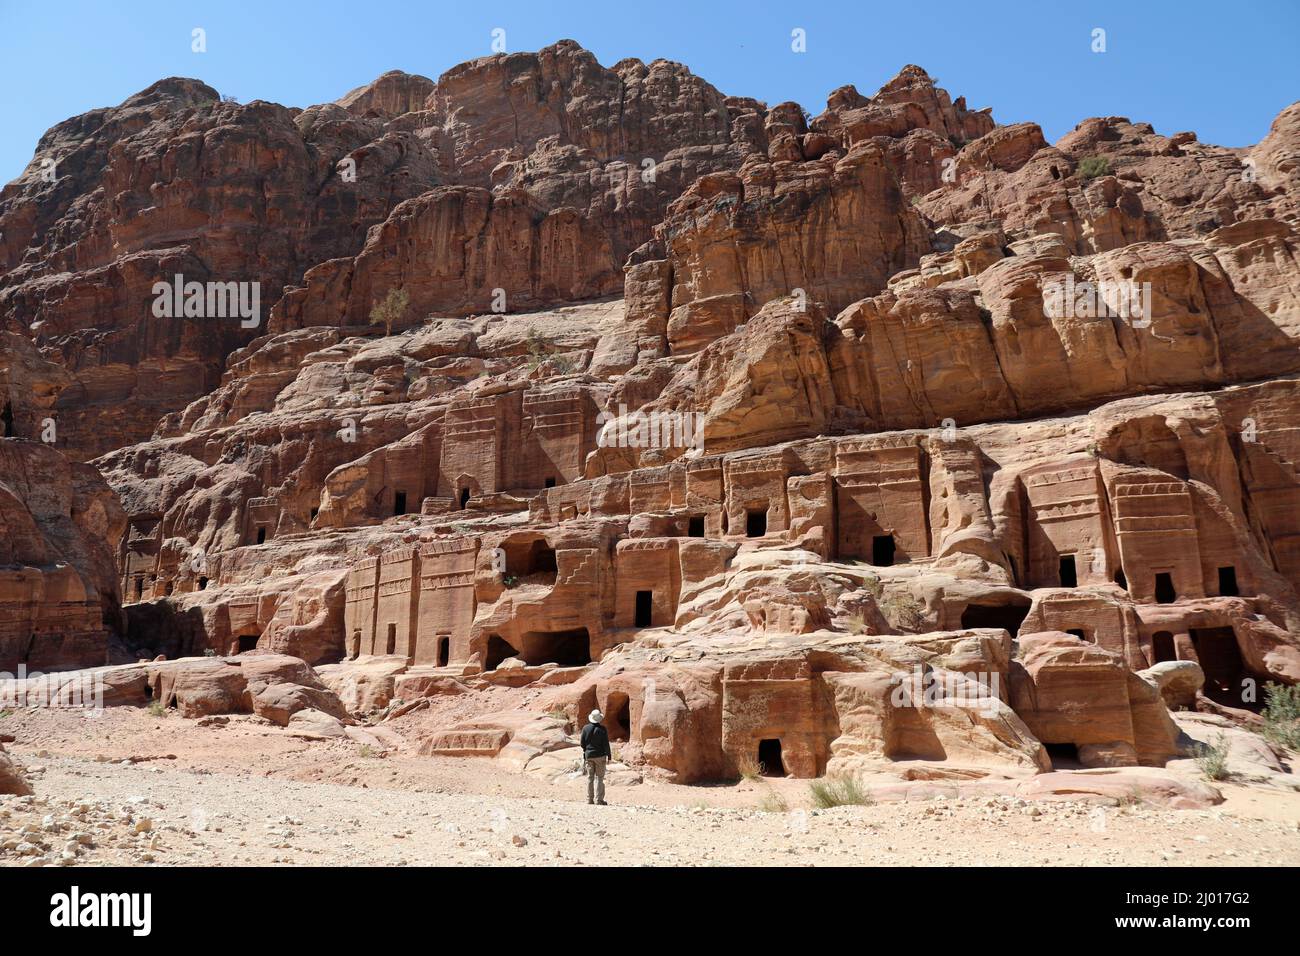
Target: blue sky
{"points": [[1221, 69]]}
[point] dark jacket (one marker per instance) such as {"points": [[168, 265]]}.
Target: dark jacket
{"points": [[595, 741]]}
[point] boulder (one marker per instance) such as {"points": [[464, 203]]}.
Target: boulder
{"points": [[11, 781], [1179, 682]]}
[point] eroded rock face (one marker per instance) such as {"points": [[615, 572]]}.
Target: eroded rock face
{"points": [[555, 168], [1071, 692], [176, 181], [886, 438], [59, 528]]}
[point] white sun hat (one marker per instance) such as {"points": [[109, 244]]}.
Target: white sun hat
{"points": [[595, 716]]}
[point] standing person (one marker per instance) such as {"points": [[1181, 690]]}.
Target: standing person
{"points": [[595, 753]]}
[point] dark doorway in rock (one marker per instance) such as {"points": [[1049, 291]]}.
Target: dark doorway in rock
{"points": [[7, 422], [695, 527], [314, 513], [168, 588], [550, 482], [1165, 593], [390, 646], [755, 523], [444, 650], [1121, 579], [497, 651], [769, 758], [644, 608], [1162, 647], [1078, 632], [1220, 658], [203, 583], [139, 589], [247, 642], [541, 559], [464, 498], [1006, 616], [1064, 756], [399, 503], [356, 644], [882, 550], [1056, 173], [570, 648], [261, 536], [1066, 573], [530, 561], [726, 522], [618, 716], [1228, 581]]}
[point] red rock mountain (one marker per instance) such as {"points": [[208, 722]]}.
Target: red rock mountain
{"points": [[759, 408]]}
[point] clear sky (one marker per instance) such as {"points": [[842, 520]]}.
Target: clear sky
{"points": [[1221, 69]]}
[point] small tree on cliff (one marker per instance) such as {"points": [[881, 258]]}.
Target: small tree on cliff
{"points": [[391, 310]]}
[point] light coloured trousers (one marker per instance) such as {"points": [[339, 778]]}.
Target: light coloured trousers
{"points": [[595, 768]]}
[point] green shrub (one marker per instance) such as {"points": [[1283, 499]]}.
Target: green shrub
{"points": [[773, 802], [904, 612], [1282, 715], [749, 767], [156, 709], [855, 624], [391, 310], [1213, 759], [838, 792], [1093, 166]]}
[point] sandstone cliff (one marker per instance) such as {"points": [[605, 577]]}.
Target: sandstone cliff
{"points": [[884, 434]]}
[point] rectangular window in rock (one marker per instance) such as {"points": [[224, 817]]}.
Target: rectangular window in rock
{"points": [[769, 758], [1228, 582], [1068, 575], [882, 550], [1220, 659], [644, 608], [755, 523]]}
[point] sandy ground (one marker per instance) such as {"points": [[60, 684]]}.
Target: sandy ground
{"points": [[249, 793]]}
